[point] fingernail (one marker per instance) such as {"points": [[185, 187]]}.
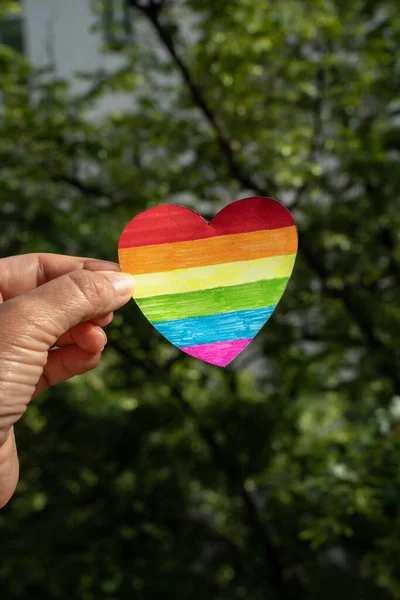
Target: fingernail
{"points": [[100, 330], [123, 283]]}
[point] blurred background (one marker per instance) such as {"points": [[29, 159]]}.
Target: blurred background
{"points": [[157, 475]]}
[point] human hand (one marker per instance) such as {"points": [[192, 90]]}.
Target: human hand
{"points": [[52, 308]]}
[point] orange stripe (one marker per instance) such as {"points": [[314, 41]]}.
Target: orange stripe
{"points": [[211, 251]]}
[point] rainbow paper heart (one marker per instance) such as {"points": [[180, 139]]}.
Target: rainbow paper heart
{"points": [[210, 287]]}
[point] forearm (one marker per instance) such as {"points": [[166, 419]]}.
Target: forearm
{"points": [[9, 469]]}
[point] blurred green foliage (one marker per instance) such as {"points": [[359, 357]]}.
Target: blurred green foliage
{"points": [[157, 475]]}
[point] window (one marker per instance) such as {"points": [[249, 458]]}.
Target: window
{"points": [[117, 21], [11, 29]]}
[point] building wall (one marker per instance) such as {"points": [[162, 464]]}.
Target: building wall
{"points": [[58, 33]]}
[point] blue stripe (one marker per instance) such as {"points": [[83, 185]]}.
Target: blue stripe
{"points": [[224, 327]]}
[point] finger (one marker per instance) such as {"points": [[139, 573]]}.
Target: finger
{"points": [[20, 274], [64, 363], [104, 320], [42, 316], [31, 324], [87, 336], [9, 468]]}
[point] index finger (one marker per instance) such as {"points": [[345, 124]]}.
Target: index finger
{"points": [[20, 274]]}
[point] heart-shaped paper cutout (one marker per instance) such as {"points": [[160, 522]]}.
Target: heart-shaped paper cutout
{"points": [[210, 287]]}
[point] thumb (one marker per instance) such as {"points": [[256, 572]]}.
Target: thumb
{"points": [[49, 311]]}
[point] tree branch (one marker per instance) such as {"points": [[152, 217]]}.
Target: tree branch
{"points": [[356, 312], [200, 101], [353, 308], [275, 577], [86, 189]]}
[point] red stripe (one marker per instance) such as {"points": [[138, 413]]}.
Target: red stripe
{"points": [[170, 223]]}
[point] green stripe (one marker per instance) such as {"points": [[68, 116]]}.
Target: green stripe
{"points": [[257, 294]]}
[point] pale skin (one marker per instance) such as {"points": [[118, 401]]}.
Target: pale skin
{"points": [[52, 311]]}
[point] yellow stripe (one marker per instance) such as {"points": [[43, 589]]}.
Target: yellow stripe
{"points": [[203, 278]]}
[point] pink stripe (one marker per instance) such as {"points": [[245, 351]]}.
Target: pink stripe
{"points": [[219, 353]]}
